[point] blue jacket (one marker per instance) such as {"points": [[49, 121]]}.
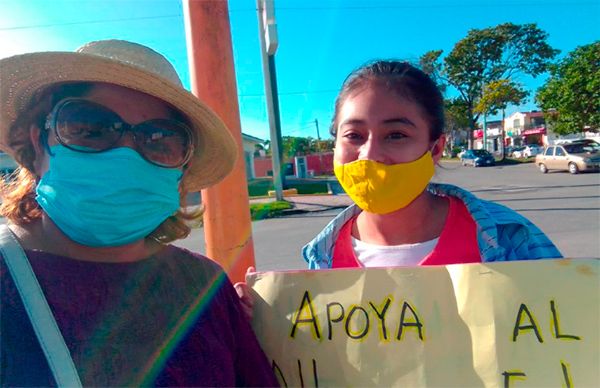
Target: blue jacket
{"points": [[502, 233]]}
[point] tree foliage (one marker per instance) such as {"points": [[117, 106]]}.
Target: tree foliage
{"points": [[488, 55], [297, 146], [457, 116], [497, 95], [265, 146], [570, 98], [326, 145]]}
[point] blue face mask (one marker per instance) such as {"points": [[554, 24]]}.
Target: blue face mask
{"points": [[109, 198]]}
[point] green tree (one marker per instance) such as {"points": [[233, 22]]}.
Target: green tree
{"points": [[259, 150], [457, 120], [456, 114], [266, 145], [297, 146], [324, 145], [570, 98], [488, 55], [497, 95]]}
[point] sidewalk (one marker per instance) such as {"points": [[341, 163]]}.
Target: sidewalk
{"points": [[311, 203]]}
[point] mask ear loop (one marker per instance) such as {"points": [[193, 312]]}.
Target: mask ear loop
{"points": [[433, 146]]}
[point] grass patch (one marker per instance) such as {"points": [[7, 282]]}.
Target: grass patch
{"points": [[511, 161], [260, 211], [311, 188], [261, 186], [506, 162]]}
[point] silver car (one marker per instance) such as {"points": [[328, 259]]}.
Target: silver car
{"points": [[573, 157]]}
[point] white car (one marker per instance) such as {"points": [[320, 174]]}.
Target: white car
{"points": [[532, 150], [528, 151]]}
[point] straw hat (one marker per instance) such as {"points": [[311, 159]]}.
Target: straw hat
{"points": [[126, 64]]}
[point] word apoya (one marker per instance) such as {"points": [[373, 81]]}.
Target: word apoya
{"points": [[357, 320]]}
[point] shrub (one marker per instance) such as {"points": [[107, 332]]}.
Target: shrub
{"points": [[260, 211]]}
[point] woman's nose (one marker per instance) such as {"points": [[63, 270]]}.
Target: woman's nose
{"points": [[372, 150], [127, 140]]}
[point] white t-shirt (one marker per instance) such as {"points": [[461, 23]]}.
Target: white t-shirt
{"points": [[405, 255]]}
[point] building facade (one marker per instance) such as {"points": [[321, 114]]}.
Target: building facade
{"points": [[249, 144], [522, 128]]}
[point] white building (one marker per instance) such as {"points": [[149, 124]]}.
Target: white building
{"points": [[249, 144], [522, 128]]}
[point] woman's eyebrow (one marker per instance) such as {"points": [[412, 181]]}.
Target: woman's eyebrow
{"points": [[399, 120], [394, 120], [352, 122]]}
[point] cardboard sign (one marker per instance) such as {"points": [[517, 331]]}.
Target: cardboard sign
{"points": [[514, 324]]}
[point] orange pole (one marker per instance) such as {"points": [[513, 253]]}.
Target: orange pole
{"points": [[227, 224]]}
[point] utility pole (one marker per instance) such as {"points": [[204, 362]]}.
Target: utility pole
{"points": [[318, 136], [319, 147], [485, 131], [267, 31], [227, 224], [502, 134]]}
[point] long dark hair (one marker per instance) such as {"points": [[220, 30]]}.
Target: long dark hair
{"points": [[406, 81]]}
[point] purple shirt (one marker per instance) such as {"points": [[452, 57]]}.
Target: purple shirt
{"points": [[170, 320]]}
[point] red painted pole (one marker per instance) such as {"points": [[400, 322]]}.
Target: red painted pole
{"points": [[227, 224]]}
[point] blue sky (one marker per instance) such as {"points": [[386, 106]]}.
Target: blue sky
{"points": [[321, 41]]}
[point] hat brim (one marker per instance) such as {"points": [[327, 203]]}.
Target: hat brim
{"points": [[21, 76]]}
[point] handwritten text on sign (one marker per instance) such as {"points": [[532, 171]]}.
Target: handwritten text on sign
{"points": [[507, 324]]}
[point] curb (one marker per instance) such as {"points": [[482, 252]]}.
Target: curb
{"points": [[294, 211]]}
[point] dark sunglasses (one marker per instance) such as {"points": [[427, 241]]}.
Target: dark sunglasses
{"points": [[85, 126]]}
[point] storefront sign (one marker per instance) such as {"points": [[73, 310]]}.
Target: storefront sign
{"points": [[534, 131]]}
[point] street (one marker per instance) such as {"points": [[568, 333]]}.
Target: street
{"points": [[566, 207]]}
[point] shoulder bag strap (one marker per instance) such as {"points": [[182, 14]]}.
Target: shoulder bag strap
{"points": [[40, 315]]}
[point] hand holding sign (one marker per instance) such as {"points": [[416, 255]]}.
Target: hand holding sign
{"points": [[245, 294]]}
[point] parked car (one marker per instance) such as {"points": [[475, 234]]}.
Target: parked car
{"points": [[573, 157], [527, 151], [511, 150], [477, 158], [532, 150], [518, 154]]}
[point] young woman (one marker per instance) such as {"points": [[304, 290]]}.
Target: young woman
{"points": [[388, 128], [109, 143]]}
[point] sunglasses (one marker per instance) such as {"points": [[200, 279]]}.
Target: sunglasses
{"points": [[84, 126]]}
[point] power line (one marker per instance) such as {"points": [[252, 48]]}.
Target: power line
{"points": [[88, 22], [299, 129], [504, 4], [441, 5], [292, 93], [321, 8]]}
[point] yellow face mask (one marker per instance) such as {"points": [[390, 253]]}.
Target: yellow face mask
{"points": [[381, 188]]}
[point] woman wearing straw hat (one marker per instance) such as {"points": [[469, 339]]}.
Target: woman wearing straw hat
{"points": [[109, 143]]}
